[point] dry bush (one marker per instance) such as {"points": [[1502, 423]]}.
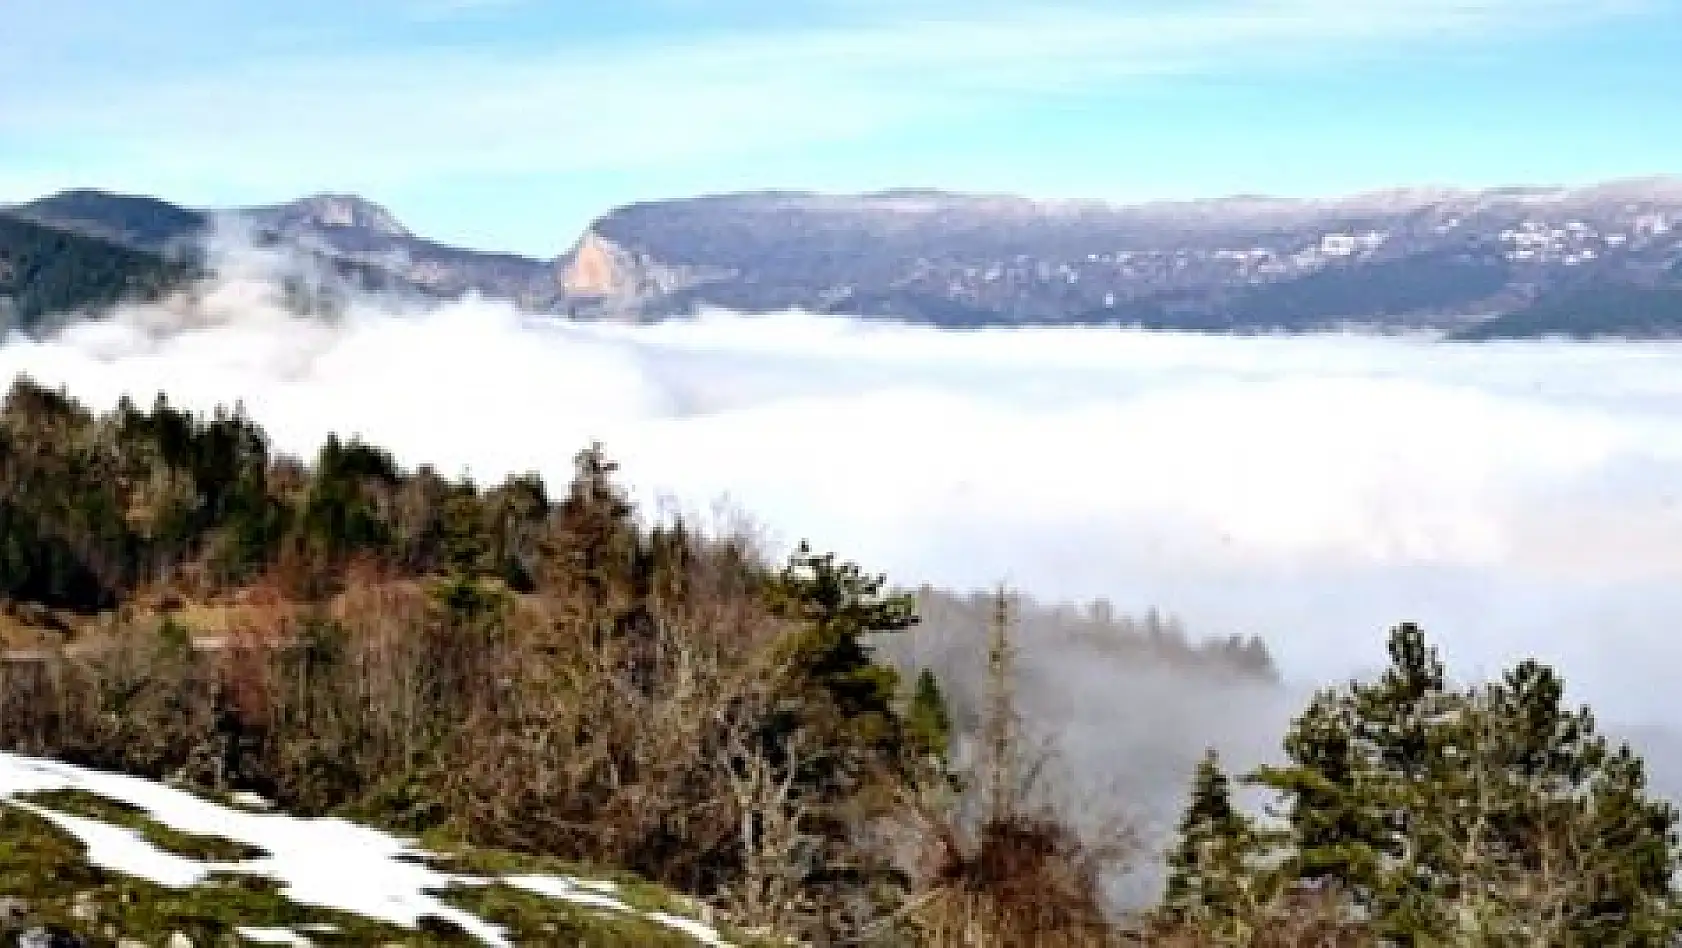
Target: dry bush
{"points": [[608, 750], [1299, 917], [143, 704], [1021, 880], [29, 689], [999, 864]]}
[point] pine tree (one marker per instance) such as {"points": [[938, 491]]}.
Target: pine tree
{"points": [[1405, 726], [596, 520], [839, 607], [1633, 847], [1395, 715], [1209, 869], [466, 547], [1333, 828], [927, 719]]}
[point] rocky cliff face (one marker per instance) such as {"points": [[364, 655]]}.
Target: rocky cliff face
{"points": [[598, 268], [602, 278]]}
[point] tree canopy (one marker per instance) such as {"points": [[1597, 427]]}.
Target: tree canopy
{"points": [[1491, 814]]}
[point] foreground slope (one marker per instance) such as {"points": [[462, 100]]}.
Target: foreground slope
{"points": [[92, 853], [527, 672]]}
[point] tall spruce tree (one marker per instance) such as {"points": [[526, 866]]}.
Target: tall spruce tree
{"points": [[1404, 725], [838, 685], [1210, 869], [1333, 828], [927, 719]]}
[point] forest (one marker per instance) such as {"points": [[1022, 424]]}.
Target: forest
{"points": [[1594, 309], [538, 668], [46, 270]]}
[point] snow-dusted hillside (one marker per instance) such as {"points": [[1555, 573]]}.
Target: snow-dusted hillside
{"points": [[329, 866]]}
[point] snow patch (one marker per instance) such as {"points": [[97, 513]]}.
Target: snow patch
{"points": [[273, 936], [324, 863]]}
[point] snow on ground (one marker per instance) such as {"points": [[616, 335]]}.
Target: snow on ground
{"points": [[273, 936], [323, 863]]}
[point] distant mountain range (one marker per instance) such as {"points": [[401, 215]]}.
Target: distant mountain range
{"points": [[1604, 260]]}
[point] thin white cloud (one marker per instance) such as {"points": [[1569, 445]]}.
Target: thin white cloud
{"points": [[382, 119]]}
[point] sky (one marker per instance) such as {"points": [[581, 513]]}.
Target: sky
{"points": [[510, 124]]}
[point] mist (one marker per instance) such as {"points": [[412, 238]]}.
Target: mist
{"points": [[1114, 710], [1518, 500]]}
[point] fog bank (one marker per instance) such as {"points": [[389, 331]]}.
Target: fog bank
{"points": [[1516, 499]]}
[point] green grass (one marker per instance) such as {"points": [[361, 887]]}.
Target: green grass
{"points": [[112, 813], [533, 920], [636, 892], [47, 869]]}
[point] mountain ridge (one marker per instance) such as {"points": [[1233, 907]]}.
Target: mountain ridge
{"points": [[1218, 265], [1436, 258]]}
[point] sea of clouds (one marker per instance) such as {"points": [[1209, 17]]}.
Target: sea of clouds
{"points": [[1518, 499]]}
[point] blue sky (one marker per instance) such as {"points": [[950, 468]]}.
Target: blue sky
{"points": [[510, 123]]}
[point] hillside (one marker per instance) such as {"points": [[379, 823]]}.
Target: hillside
{"points": [[85, 854], [1594, 309], [360, 238], [497, 668], [47, 273], [145, 223], [1395, 260]]}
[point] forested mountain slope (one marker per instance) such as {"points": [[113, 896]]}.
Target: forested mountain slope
{"points": [[48, 273]]}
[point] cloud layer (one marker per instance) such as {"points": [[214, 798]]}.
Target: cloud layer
{"points": [[1519, 499]]}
